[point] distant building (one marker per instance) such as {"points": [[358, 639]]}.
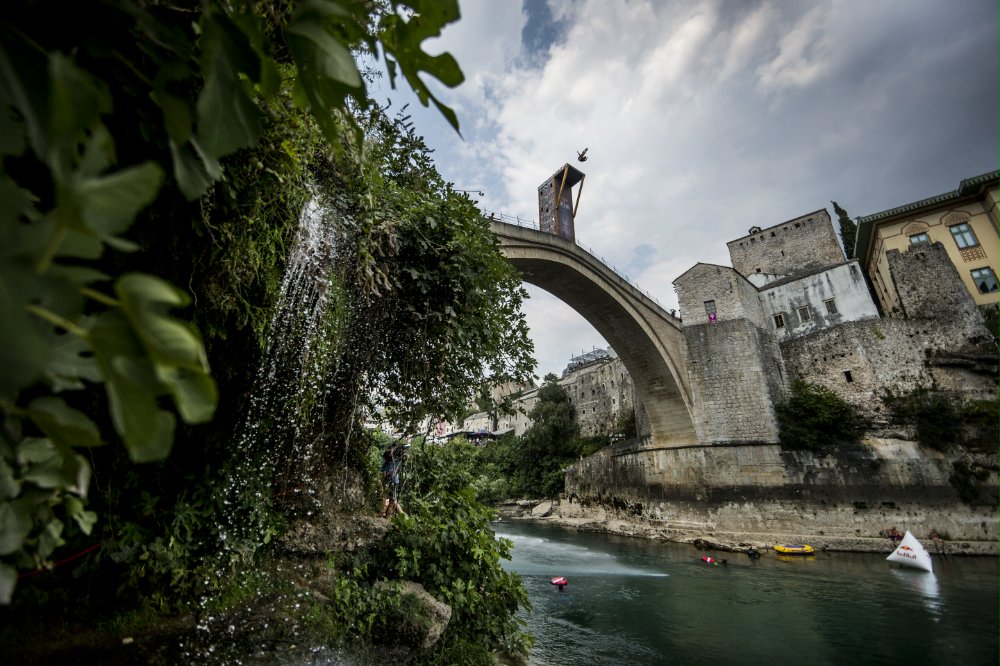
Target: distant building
{"points": [[792, 307], [964, 221]]}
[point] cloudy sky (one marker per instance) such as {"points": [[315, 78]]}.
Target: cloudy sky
{"points": [[704, 118]]}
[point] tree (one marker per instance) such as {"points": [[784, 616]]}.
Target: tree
{"points": [[848, 230], [129, 116], [549, 444]]}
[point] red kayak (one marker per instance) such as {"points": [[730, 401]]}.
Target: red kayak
{"points": [[559, 580]]}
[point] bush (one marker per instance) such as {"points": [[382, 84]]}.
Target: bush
{"points": [[815, 417], [446, 543]]}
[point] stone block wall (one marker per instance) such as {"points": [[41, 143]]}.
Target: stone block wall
{"points": [[843, 285], [736, 378], [862, 360], [599, 393], [800, 245], [930, 287], [855, 491], [734, 296]]}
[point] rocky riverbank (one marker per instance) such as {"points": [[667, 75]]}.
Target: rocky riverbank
{"points": [[597, 518]]}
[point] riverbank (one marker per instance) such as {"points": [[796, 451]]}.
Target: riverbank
{"points": [[596, 518]]}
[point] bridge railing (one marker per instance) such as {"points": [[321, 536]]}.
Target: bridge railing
{"points": [[533, 224]]}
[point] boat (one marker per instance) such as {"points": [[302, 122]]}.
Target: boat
{"points": [[785, 549], [911, 553], [560, 581]]}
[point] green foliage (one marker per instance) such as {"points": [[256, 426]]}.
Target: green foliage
{"points": [[549, 444], [848, 230], [991, 316], [122, 114], [967, 478], [815, 417], [446, 543], [437, 308], [941, 422], [625, 426]]}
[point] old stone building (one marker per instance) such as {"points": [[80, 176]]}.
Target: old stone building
{"points": [[598, 386], [793, 307], [964, 221]]}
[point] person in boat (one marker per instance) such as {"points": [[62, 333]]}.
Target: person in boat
{"points": [[392, 473]]}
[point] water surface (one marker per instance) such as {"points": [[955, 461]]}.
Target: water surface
{"points": [[631, 601]]}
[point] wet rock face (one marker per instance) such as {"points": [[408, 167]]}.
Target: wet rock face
{"points": [[332, 533], [420, 619]]}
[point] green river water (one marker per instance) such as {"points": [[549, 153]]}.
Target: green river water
{"points": [[631, 601]]}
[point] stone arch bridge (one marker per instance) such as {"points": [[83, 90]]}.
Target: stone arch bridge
{"points": [[647, 338]]}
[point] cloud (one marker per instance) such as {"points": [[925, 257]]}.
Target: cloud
{"points": [[704, 118]]}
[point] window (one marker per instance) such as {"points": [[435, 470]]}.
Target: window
{"points": [[710, 307], [831, 306], [804, 314], [962, 233], [985, 280], [848, 377], [919, 238], [779, 321]]}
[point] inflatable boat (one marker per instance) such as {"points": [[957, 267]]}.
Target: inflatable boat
{"points": [[784, 549], [560, 581]]}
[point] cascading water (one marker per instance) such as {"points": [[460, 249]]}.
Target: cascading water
{"points": [[287, 400], [280, 457]]}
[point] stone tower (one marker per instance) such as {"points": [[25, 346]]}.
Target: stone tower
{"points": [[556, 210]]}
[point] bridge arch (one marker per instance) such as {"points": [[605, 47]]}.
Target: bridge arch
{"points": [[648, 340]]}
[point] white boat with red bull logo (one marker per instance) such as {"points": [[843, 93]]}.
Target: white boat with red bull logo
{"points": [[910, 553]]}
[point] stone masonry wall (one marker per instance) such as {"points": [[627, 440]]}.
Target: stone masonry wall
{"points": [[930, 287], [599, 393], [736, 378], [880, 355], [859, 490], [734, 296], [798, 246]]}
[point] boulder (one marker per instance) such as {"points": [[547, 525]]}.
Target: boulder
{"points": [[542, 509], [420, 620]]}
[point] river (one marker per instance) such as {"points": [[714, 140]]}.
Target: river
{"points": [[632, 601]]}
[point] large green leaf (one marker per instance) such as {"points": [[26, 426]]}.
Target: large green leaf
{"points": [[147, 301], [319, 38], [48, 464], [9, 486], [77, 101], [402, 39], [70, 360], [175, 347], [15, 525], [194, 392], [25, 339], [194, 171], [62, 423], [75, 510], [109, 204], [132, 389], [227, 118]]}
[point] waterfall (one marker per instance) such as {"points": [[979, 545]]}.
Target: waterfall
{"points": [[278, 438]]}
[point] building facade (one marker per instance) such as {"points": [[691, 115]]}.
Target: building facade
{"points": [[792, 307], [964, 221]]}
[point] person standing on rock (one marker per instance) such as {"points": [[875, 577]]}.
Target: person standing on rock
{"points": [[392, 473]]}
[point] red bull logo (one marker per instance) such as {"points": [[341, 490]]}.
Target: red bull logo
{"points": [[905, 548]]}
